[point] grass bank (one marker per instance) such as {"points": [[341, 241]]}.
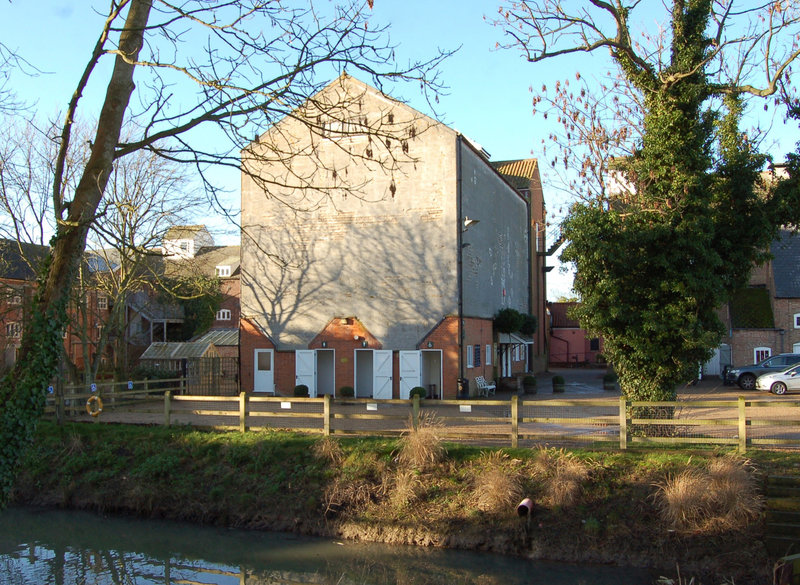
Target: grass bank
{"points": [[589, 506]]}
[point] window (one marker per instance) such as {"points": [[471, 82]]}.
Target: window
{"points": [[477, 360], [488, 354], [594, 344], [797, 320], [13, 330], [102, 303], [223, 315], [184, 245], [761, 353], [470, 355], [222, 271]]}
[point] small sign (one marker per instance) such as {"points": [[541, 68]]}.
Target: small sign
{"points": [[286, 405], [465, 408], [130, 384], [94, 387], [49, 389], [372, 406]]}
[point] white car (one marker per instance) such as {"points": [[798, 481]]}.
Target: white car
{"points": [[780, 382]]}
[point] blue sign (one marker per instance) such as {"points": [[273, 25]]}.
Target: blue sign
{"points": [[130, 385], [94, 387], [49, 389]]}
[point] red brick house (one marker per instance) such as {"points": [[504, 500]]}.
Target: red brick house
{"points": [[763, 319], [377, 254], [570, 344]]}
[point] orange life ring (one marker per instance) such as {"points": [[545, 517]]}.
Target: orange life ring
{"points": [[94, 406]]}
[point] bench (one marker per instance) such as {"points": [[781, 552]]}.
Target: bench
{"points": [[484, 388]]}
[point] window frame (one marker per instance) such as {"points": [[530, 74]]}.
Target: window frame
{"points": [[222, 271], [761, 350], [223, 315], [488, 354], [470, 355]]}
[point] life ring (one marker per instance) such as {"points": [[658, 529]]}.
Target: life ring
{"points": [[94, 406]]}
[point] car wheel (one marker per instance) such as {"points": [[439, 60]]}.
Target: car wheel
{"points": [[747, 381], [778, 388]]}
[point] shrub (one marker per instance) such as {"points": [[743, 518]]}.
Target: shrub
{"points": [[609, 377], [508, 320], [422, 446], [346, 392], [497, 488], [418, 391], [558, 379], [301, 390], [562, 475], [529, 381], [529, 325], [723, 495]]}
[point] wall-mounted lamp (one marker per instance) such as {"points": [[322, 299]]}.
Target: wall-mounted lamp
{"points": [[430, 344], [324, 344], [364, 343], [355, 337], [469, 222]]}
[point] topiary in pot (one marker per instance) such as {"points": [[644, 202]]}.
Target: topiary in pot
{"points": [[609, 381], [346, 392], [529, 385], [418, 391], [558, 383], [301, 391]]}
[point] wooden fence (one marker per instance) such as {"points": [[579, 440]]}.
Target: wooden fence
{"points": [[600, 422]]}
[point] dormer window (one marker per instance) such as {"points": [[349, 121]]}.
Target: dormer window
{"points": [[222, 271]]}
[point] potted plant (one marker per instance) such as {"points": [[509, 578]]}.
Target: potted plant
{"points": [[418, 391], [346, 392], [301, 391], [558, 383], [609, 381], [529, 385]]}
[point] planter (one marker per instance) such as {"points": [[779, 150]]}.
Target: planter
{"points": [[558, 384], [610, 382], [529, 385]]}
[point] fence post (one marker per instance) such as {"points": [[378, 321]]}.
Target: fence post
{"points": [[326, 415], [514, 421], [243, 411], [415, 412], [167, 400], [623, 423], [742, 426]]}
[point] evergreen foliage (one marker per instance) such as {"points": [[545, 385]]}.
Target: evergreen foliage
{"points": [[653, 271]]}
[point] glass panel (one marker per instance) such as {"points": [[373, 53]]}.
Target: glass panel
{"points": [[264, 361]]}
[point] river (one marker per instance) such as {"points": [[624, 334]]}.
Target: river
{"points": [[61, 547]]}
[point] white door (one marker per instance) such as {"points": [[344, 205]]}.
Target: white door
{"points": [[305, 370], [712, 366], [264, 374], [382, 374], [410, 372]]}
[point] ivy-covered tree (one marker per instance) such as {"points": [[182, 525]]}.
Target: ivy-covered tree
{"points": [[656, 257]]}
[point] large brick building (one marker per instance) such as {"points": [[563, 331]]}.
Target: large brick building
{"points": [[377, 246]]}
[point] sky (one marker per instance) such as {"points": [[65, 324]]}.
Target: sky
{"points": [[488, 98]]}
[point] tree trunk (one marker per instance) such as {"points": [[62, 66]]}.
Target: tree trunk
{"points": [[22, 393]]}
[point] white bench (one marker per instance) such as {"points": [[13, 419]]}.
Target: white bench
{"points": [[484, 388]]}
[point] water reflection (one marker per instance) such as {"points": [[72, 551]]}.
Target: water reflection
{"points": [[65, 548]]}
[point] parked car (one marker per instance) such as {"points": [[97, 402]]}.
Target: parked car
{"points": [[746, 376], [780, 382]]}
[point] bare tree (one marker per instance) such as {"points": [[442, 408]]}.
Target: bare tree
{"points": [[236, 66]]}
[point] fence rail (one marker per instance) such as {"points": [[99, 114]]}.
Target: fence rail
{"points": [[602, 422]]}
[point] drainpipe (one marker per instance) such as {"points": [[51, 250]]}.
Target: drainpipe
{"points": [[459, 260]]}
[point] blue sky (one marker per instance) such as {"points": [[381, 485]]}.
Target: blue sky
{"points": [[488, 99]]}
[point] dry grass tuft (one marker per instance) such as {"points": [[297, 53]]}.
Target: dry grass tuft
{"points": [[422, 447], [406, 488], [562, 475], [497, 487], [723, 495], [329, 449], [74, 445]]}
